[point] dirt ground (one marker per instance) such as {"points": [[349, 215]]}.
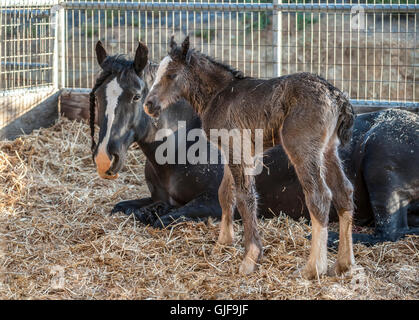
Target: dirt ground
{"points": [[58, 241]]}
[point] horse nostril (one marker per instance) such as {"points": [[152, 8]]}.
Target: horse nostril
{"points": [[113, 150], [114, 161], [151, 108], [157, 110], [148, 105]]}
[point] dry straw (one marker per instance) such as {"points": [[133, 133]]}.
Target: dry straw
{"points": [[57, 240]]}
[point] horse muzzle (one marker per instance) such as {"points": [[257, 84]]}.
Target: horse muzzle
{"points": [[103, 165], [152, 108]]}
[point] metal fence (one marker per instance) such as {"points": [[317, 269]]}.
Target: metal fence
{"points": [[26, 56], [241, 38], [367, 48], [371, 53]]}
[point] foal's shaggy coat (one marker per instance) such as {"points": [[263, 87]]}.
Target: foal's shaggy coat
{"points": [[304, 112]]}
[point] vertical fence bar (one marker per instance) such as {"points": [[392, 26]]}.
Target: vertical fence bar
{"points": [[92, 45], [2, 54], [415, 60], [62, 46], [374, 55], [222, 33], [56, 25], [237, 37], [2, 50], [312, 41], [59, 65], [382, 58], [406, 58], [277, 39], [389, 57], [252, 43], [334, 46], [366, 64]]}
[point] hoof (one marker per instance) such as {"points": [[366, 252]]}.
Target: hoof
{"points": [[340, 269], [311, 272], [140, 214], [247, 266], [161, 223], [225, 239], [226, 235], [127, 210], [149, 215], [252, 257]]}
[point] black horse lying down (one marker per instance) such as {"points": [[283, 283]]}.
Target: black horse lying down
{"points": [[381, 160]]}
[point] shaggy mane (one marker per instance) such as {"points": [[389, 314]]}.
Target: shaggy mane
{"points": [[177, 52], [236, 73]]}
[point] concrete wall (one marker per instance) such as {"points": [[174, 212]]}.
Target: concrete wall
{"points": [[364, 109], [41, 116]]}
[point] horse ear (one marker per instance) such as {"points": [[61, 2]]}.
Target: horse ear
{"points": [[185, 47], [172, 43], [141, 58], [100, 53], [173, 46]]}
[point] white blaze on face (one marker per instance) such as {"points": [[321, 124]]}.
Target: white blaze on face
{"points": [[113, 91], [161, 70]]}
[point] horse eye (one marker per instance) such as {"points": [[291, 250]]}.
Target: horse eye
{"points": [[136, 98], [171, 76]]}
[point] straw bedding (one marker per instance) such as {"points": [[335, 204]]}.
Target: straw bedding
{"points": [[57, 240]]}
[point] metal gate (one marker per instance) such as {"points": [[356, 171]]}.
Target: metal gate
{"points": [[26, 56], [367, 48]]}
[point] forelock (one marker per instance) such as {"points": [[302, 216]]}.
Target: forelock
{"points": [[164, 63], [162, 69], [117, 63]]}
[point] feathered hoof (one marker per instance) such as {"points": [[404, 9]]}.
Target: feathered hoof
{"points": [[340, 268], [247, 267], [312, 271], [251, 259]]}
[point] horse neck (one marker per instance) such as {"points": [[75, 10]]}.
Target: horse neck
{"points": [[147, 141], [169, 119], [207, 80]]}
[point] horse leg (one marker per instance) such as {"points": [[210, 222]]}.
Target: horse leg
{"points": [[129, 206], [307, 158], [342, 193], [149, 214], [318, 198], [246, 200], [199, 209], [226, 198], [389, 206]]}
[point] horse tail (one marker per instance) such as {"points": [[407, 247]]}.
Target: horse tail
{"points": [[345, 120]]}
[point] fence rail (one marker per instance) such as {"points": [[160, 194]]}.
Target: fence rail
{"points": [[367, 49], [242, 7]]}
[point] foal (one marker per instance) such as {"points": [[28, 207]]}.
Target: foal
{"points": [[304, 112]]}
